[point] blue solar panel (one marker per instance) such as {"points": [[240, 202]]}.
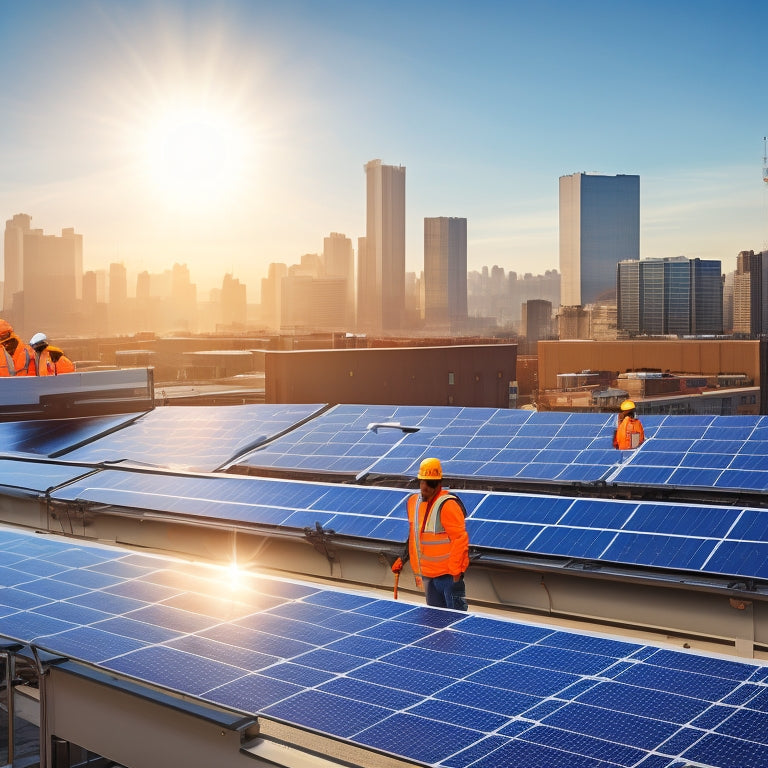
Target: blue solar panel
{"points": [[665, 536], [200, 437], [37, 476], [48, 437]]}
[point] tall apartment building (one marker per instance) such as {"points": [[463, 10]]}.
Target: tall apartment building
{"points": [[750, 294], [445, 271], [52, 281], [15, 229], [381, 264], [599, 227], [669, 296], [339, 260]]}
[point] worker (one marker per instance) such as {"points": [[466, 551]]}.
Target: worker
{"points": [[629, 433], [48, 360], [16, 356], [438, 543]]}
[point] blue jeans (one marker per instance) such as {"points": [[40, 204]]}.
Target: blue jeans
{"points": [[444, 592]]}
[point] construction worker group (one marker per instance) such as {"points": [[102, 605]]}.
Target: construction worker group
{"points": [[37, 358]]}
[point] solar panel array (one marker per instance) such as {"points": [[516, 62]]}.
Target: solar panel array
{"points": [[726, 453], [471, 442], [198, 438], [722, 452], [436, 687], [715, 540]]}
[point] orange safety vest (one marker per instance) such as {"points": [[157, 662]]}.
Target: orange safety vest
{"points": [[61, 363], [16, 364], [42, 365], [438, 543], [629, 434]]}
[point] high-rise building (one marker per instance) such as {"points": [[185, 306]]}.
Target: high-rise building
{"points": [[381, 265], [339, 259], [233, 302], [669, 296], [750, 294], [599, 227], [15, 229], [271, 294], [52, 282], [536, 322], [445, 271]]}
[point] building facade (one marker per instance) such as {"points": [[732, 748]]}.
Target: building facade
{"points": [[445, 272], [750, 294], [599, 227], [52, 283], [381, 264], [670, 296], [339, 261]]}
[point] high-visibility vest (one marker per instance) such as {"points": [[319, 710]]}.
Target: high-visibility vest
{"points": [[629, 434], [43, 365], [16, 364], [61, 363], [438, 542]]}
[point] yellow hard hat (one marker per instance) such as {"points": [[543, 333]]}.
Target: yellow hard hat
{"points": [[430, 469], [627, 405]]}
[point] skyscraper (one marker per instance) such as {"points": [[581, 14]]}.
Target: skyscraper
{"points": [[52, 282], [673, 295], [15, 229], [381, 266], [445, 271], [339, 260], [599, 227], [750, 287]]}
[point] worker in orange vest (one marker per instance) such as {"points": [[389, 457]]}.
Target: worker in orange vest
{"points": [[48, 360], [16, 356], [438, 543], [629, 433]]}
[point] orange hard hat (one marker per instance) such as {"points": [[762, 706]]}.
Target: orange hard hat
{"points": [[430, 469], [627, 405], [6, 329]]}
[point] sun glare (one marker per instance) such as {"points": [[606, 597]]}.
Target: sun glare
{"points": [[196, 157]]}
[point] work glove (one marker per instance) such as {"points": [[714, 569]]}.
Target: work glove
{"points": [[397, 566]]}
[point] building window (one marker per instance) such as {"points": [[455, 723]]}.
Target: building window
{"points": [[451, 380]]}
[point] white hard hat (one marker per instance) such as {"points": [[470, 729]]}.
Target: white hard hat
{"points": [[39, 339]]}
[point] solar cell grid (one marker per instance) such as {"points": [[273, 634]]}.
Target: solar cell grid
{"points": [[489, 687]]}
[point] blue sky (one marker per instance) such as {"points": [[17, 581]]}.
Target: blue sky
{"points": [[485, 103]]}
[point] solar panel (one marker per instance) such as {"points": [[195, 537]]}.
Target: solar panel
{"points": [[701, 452], [47, 437], [37, 476], [199, 437], [662, 536], [476, 442], [427, 685]]}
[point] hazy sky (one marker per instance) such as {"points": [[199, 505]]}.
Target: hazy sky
{"points": [[227, 135]]}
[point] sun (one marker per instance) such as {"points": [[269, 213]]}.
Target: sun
{"points": [[196, 156]]}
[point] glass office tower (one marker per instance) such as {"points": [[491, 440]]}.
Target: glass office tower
{"points": [[381, 263], [445, 271], [599, 227], [672, 296]]}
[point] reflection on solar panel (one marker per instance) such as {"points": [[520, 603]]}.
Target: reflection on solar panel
{"points": [[199, 438], [432, 686], [47, 438], [718, 541], [37, 476]]}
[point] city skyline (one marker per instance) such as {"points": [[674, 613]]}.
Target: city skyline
{"points": [[230, 135]]}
